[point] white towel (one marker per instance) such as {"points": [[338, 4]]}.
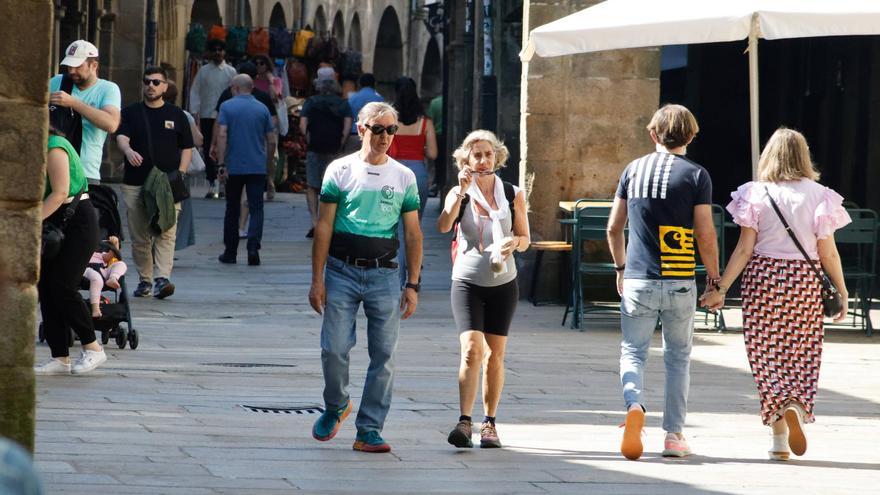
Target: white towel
{"points": [[495, 216]]}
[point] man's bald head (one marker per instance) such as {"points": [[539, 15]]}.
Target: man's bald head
{"points": [[242, 84]]}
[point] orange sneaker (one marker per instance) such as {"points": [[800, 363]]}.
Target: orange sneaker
{"points": [[631, 446]]}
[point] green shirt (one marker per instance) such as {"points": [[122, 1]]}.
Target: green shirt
{"points": [[78, 181], [435, 113]]}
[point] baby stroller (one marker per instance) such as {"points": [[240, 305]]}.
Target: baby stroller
{"points": [[116, 310]]}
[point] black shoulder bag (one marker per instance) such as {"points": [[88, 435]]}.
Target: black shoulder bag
{"points": [[53, 235], [179, 189], [65, 119], [831, 300]]}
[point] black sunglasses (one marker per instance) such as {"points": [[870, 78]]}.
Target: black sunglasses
{"points": [[261, 62], [379, 129], [154, 82]]}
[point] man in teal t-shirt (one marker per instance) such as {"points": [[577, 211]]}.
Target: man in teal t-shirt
{"points": [[363, 197], [98, 102]]}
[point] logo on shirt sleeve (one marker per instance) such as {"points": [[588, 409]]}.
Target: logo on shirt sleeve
{"points": [[677, 251]]}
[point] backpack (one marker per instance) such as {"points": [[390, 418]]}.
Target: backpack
{"points": [[258, 42], [196, 39], [280, 43], [298, 77], [350, 63], [65, 119], [237, 40], [302, 42], [509, 194], [217, 32], [325, 126]]}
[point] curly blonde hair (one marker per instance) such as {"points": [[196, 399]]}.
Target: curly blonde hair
{"points": [[786, 156], [463, 153]]}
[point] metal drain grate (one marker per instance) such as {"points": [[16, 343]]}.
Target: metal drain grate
{"points": [[250, 365], [306, 409]]}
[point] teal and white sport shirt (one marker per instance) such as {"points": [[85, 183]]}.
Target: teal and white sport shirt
{"points": [[370, 200]]}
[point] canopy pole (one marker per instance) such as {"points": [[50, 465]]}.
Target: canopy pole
{"points": [[754, 33]]}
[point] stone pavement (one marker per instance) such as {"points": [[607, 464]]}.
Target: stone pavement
{"points": [[167, 418]]}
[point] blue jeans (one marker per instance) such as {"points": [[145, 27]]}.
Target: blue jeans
{"points": [[674, 302], [418, 168], [347, 287]]}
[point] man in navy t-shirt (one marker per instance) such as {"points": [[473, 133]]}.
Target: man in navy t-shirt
{"points": [[668, 201]]}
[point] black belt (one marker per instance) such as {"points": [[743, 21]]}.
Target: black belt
{"points": [[368, 262]]}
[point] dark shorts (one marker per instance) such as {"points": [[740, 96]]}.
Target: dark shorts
{"points": [[316, 165], [485, 309]]}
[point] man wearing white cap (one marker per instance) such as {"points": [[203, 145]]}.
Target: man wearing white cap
{"points": [[96, 100]]}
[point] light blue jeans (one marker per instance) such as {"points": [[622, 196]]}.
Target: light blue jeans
{"points": [[674, 302], [418, 167], [378, 289]]}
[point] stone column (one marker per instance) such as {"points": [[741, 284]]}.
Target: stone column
{"points": [[583, 119], [23, 130]]}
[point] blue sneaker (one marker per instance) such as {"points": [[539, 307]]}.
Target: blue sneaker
{"points": [[370, 441], [328, 424]]}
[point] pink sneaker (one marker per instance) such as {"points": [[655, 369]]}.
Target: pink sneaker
{"points": [[675, 446]]}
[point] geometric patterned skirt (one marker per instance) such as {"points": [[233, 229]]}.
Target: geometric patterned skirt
{"points": [[782, 321]]}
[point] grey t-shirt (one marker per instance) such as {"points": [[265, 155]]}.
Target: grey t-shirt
{"points": [[472, 262]]}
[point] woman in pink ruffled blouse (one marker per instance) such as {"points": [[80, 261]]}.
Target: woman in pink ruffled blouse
{"points": [[782, 303]]}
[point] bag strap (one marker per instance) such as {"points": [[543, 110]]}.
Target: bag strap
{"points": [[792, 235], [70, 211], [149, 133]]}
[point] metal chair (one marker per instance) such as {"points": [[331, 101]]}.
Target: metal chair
{"points": [[718, 214], [857, 243]]}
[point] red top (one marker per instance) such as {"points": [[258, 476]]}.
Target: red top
{"points": [[410, 147]]}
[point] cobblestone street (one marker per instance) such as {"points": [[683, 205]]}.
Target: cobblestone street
{"points": [[167, 418]]}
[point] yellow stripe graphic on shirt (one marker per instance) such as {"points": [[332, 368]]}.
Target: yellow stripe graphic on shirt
{"points": [[676, 251]]}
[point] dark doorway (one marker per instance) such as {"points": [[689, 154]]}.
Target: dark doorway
{"points": [[388, 55], [432, 72], [354, 34], [320, 20], [277, 19], [339, 28]]}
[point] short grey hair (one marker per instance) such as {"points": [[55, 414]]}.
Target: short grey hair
{"points": [[327, 87], [374, 110], [243, 82], [463, 153]]}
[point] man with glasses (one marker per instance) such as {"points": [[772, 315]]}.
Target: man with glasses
{"points": [[325, 120], [363, 197], [152, 134], [210, 81], [97, 100]]}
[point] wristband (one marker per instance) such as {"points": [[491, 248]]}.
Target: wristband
{"points": [[620, 268], [460, 196]]}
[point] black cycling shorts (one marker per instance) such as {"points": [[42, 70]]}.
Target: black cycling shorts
{"points": [[485, 309]]}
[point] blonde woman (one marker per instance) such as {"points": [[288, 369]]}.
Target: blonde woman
{"points": [[492, 224], [782, 304]]}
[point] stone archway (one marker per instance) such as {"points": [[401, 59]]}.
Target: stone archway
{"points": [[277, 18], [247, 18], [320, 23], [206, 13], [339, 28], [354, 33], [388, 54], [431, 83]]}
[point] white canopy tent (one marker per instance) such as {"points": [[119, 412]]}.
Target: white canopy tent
{"points": [[615, 24]]}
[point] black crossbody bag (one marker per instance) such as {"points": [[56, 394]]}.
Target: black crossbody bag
{"points": [[832, 302], [53, 235], [179, 189]]}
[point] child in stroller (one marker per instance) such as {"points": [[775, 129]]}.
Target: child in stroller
{"points": [[105, 270]]}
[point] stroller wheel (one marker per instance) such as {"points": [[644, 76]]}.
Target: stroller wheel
{"points": [[120, 337], [133, 339], [105, 337]]}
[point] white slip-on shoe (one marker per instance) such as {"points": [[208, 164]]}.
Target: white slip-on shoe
{"points": [[88, 361], [53, 367], [779, 449]]}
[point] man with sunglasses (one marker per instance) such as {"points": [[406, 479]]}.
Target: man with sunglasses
{"points": [[210, 81], [152, 134], [325, 120], [97, 100], [363, 197]]}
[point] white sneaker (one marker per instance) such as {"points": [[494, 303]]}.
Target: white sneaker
{"points": [[53, 367], [88, 361]]}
